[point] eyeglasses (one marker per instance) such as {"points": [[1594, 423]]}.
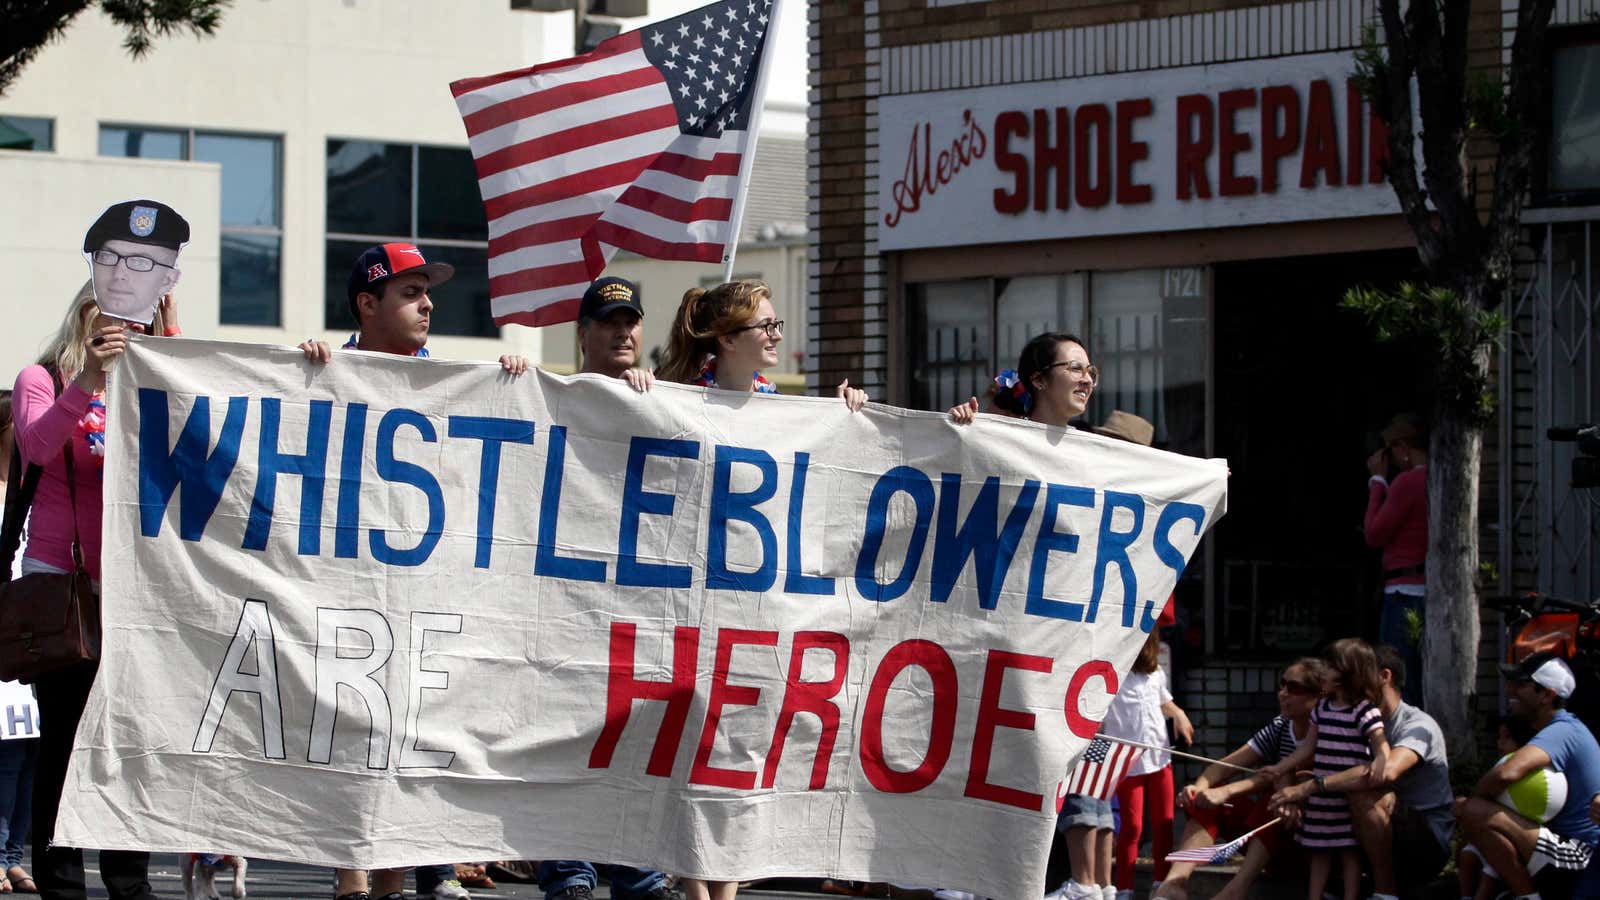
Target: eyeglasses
{"points": [[1077, 368], [773, 327], [1295, 687], [109, 258]]}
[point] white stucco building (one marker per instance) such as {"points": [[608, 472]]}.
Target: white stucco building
{"points": [[301, 132]]}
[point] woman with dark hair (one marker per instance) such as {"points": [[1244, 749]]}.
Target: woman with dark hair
{"points": [[1052, 383], [724, 337], [60, 425], [1216, 806]]}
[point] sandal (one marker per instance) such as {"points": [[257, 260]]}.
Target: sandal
{"points": [[5, 885], [21, 881]]}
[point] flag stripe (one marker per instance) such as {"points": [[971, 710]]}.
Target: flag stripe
{"points": [[656, 248], [649, 96], [579, 137], [533, 106], [562, 197], [473, 94], [577, 162], [669, 207]]}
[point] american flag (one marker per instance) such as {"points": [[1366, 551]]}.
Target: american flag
{"points": [[1101, 769], [1218, 853], [635, 145]]}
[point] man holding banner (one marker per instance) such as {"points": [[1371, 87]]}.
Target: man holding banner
{"points": [[390, 297]]}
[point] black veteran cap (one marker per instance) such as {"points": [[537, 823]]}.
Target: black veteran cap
{"points": [[138, 221], [608, 295]]}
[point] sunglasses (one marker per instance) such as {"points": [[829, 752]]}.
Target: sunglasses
{"points": [[1296, 687]]}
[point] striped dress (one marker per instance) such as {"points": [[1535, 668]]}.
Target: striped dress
{"points": [[1342, 735]]}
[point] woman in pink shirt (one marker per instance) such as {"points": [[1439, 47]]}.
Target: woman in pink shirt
{"points": [[1397, 523], [56, 417]]}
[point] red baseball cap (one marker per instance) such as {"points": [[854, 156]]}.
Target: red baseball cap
{"points": [[378, 264]]}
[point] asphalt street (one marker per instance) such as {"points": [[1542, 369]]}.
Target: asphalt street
{"points": [[288, 881]]}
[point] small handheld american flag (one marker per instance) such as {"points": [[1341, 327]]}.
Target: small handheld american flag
{"points": [[1218, 853], [1102, 768]]}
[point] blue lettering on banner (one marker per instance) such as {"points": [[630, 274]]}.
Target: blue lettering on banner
{"points": [[1050, 540], [637, 501], [346, 531], [203, 477], [493, 432], [917, 486], [976, 538], [1113, 548], [311, 466], [728, 506], [1174, 512], [401, 472], [795, 580], [545, 560]]}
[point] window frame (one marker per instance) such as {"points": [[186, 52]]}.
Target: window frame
{"points": [[50, 122], [1543, 195], [370, 239]]}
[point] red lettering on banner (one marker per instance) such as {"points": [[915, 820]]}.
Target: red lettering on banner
{"points": [[924, 173], [1007, 125], [1094, 117], [1231, 142], [1278, 101], [622, 689], [1194, 146], [1130, 151], [1322, 141], [725, 694], [1048, 157], [992, 716], [1082, 725], [813, 697], [933, 659]]}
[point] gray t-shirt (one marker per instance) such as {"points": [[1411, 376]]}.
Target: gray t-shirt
{"points": [[1425, 787]]}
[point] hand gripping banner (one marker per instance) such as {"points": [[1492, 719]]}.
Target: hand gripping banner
{"points": [[392, 611]]}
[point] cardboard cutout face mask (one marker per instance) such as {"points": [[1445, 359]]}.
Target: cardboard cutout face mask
{"points": [[132, 251]]}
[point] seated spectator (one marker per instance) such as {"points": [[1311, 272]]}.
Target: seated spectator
{"points": [[1401, 814], [1477, 879], [1538, 860], [1219, 809]]}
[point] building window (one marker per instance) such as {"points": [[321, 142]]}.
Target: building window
{"points": [[251, 218], [1575, 120], [381, 193], [27, 133]]}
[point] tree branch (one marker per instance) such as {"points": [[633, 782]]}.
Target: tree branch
{"points": [[1524, 108], [1392, 100], [1440, 57], [26, 27]]}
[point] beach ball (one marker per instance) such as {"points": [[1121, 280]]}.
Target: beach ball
{"points": [[1539, 795]]}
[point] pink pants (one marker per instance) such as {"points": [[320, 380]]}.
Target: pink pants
{"points": [[1132, 796]]}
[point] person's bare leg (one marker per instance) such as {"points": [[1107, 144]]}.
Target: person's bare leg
{"points": [[1317, 874], [388, 881], [694, 889], [1176, 885], [1372, 814], [1081, 853], [1505, 839], [1255, 862], [349, 881], [1350, 872], [1469, 872], [723, 890], [1105, 846]]}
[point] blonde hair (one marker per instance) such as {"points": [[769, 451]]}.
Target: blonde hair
{"points": [[65, 352], [702, 317]]}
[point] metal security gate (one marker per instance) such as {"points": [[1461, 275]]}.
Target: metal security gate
{"points": [[1550, 375]]}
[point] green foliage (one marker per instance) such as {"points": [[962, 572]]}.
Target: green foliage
{"points": [[1372, 67], [1453, 329], [1486, 106], [147, 19], [1412, 625]]}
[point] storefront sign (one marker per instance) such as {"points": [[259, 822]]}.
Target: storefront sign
{"points": [[1217, 146]]}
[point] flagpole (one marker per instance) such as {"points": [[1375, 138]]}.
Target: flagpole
{"points": [[747, 160], [1195, 757]]}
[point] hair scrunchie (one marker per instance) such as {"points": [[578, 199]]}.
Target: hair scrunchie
{"points": [[1011, 393]]}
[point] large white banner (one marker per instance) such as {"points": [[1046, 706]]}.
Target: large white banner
{"points": [[395, 611]]}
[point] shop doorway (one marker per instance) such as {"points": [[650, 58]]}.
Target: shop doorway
{"points": [[1301, 391]]}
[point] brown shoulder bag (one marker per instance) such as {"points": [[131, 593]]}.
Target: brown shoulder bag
{"points": [[47, 621]]}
